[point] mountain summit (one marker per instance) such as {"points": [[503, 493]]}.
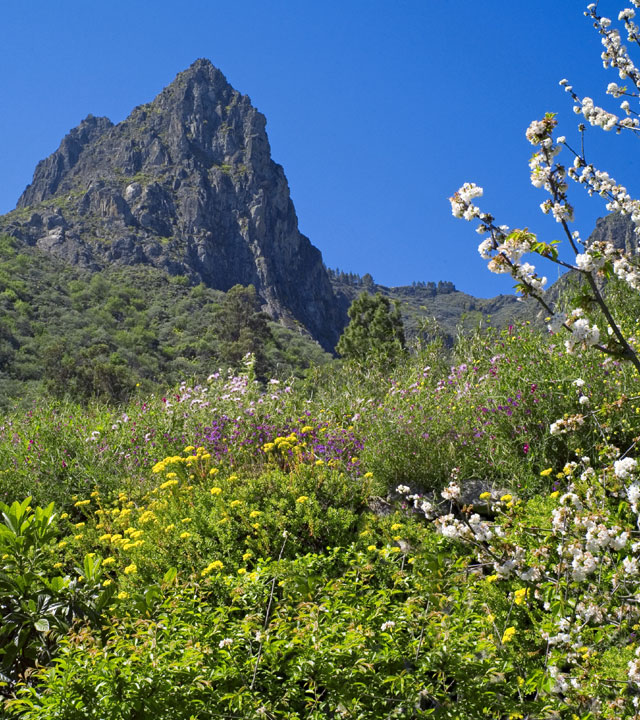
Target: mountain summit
{"points": [[185, 183]]}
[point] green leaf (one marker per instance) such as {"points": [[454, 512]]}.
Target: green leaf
{"points": [[170, 576], [42, 625]]}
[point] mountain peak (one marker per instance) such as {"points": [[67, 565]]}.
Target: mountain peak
{"points": [[185, 183]]}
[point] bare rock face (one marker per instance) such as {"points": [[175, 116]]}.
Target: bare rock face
{"points": [[617, 229], [185, 183]]}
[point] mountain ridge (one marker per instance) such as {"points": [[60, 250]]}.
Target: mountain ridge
{"points": [[185, 183]]}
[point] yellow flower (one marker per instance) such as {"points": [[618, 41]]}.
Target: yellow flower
{"points": [[247, 555], [519, 596], [396, 526], [492, 578], [105, 538], [58, 565], [79, 536], [171, 475], [302, 499], [107, 582], [234, 503], [306, 429], [95, 494], [122, 595], [508, 634], [169, 527], [215, 490], [547, 472], [242, 571], [131, 569], [189, 449], [80, 503], [255, 526], [491, 618], [215, 565], [64, 516], [108, 561], [506, 498], [80, 525], [186, 520], [371, 548], [214, 471], [368, 475], [554, 494], [319, 462], [185, 535], [146, 517], [485, 496]]}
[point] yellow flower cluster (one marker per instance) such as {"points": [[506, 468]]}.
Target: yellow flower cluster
{"points": [[519, 596], [199, 458], [282, 444], [215, 565]]}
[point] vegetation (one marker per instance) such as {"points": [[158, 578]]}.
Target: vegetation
{"points": [[408, 543], [375, 333], [104, 334]]}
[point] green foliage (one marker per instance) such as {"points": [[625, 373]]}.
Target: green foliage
{"points": [[375, 334], [102, 335], [243, 548], [38, 606]]}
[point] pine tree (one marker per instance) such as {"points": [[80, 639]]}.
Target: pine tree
{"points": [[375, 333]]}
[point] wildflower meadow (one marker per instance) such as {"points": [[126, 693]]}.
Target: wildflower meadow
{"points": [[454, 534]]}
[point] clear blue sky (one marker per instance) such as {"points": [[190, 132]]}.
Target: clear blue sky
{"points": [[377, 109]]}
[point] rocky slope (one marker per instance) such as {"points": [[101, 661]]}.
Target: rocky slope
{"points": [[186, 183]]}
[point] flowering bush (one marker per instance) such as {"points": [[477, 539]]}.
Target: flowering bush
{"points": [[504, 248]]}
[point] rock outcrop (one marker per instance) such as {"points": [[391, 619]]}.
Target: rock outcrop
{"points": [[185, 183]]}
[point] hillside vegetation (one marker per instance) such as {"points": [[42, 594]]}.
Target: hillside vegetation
{"points": [[355, 543], [70, 331]]}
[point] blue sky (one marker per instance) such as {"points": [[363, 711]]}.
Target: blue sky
{"points": [[377, 109]]}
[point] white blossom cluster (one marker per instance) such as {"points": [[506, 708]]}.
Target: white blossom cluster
{"points": [[615, 54], [461, 202], [582, 334], [564, 425], [502, 249], [596, 116], [627, 272], [633, 495], [601, 183], [634, 669], [625, 468], [451, 492]]}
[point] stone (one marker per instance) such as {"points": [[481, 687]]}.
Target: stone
{"points": [[185, 183]]}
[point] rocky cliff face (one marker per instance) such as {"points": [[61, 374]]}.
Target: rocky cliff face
{"points": [[185, 183], [618, 230]]}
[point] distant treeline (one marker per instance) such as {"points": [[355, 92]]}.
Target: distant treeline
{"points": [[442, 287]]}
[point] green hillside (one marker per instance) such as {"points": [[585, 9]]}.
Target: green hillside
{"points": [[85, 334], [454, 538]]}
